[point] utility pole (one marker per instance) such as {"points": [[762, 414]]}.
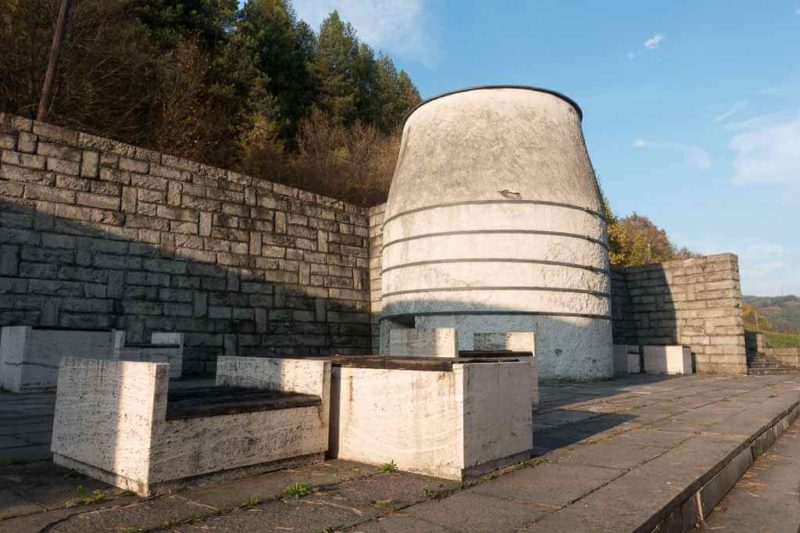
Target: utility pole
{"points": [[52, 64]]}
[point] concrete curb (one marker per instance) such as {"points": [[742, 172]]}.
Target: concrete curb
{"points": [[698, 500]]}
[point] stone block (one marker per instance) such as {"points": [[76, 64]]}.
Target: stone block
{"points": [[144, 441], [89, 164], [627, 359], [164, 347], [452, 423], [437, 342], [29, 357], [512, 341], [667, 359]]}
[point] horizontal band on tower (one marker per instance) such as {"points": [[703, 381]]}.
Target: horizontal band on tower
{"points": [[498, 232], [492, 313], [510, 288], [489, 202], [495, 260]]}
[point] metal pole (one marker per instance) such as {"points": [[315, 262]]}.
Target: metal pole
{"points": [[52, 64]]}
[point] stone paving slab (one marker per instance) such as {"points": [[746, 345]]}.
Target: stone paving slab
{"points": [[767, 498], [26, 424], [617, 456]]}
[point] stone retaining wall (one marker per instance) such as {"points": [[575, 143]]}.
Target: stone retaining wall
{"points": [[696, 302], [376, 215], [100, 234]]}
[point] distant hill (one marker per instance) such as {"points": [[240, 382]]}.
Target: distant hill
{"points": [[782, 312]]}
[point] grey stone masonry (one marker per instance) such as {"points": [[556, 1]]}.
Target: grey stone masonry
{"points": [[99, 234], [376, 215], [695, 302]]}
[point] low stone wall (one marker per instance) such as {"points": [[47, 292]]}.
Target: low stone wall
{"points": [[696, 302], [96, 234], [787, 356]]}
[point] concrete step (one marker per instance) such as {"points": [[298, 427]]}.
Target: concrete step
{"points": [[760, 365], [771, 371]]}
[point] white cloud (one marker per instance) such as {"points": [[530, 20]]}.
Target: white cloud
{"points": [[654, 41], [396, 26], [650, 44], [768, 154], [696, 155], [734, 109]]}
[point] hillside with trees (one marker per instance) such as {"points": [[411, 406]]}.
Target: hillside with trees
{"points": [[248, 87], [251, 88], [778, 317]]}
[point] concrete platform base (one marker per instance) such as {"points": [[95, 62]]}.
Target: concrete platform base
{"points": [[642, 453]]}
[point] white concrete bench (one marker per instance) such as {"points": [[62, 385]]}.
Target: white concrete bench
{"points": [[447, 418], [412, 342], [163, 348], [667, 359], [29, 356], [627, 359], [514, 342], [117, 421]]}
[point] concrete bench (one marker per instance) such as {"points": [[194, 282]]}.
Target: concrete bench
{"points": [[627, 359], [667, 359], [510, 344], [444, 417], [163, 348], [119, 422], [412, 342], [29, 356]]}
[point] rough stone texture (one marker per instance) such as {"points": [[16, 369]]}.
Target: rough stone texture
{"points": [[120, 407], [446, 424], [142, 241], [494, 213], [667, 359], [438, 342], [696, 302]]}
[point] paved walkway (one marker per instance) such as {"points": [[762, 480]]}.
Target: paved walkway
{"points": [[26, 424], [767, 498], [615, 456]]}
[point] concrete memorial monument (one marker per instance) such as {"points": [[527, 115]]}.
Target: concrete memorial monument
{"points": [[495, 223]]}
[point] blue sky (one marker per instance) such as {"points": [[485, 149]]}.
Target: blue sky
{"points": [[691, 108]]}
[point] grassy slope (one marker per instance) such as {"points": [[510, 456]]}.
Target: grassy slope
{"points": [[777, 339]]}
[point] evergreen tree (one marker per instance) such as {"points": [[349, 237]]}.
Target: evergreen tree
{"points": [[170, 22], [267, 65], [335, 69]]}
